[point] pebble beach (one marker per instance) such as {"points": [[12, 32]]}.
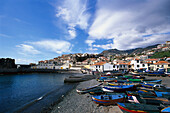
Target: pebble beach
{"points": [[76, 103]]}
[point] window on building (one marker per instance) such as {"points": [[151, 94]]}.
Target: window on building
{"points": [[157, 65], [162, 65], [168, 65], [99, 66], [143, 65], [113, 66], [148, 64], [137, 61], [137, 65]]}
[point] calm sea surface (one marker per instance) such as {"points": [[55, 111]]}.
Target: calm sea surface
{"points": [[31, 92]]}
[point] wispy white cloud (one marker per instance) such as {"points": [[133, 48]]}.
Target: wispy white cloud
{"points": [[44, 46], [72, 32], [74, 13], [57, 46], [92, 49], [106, 46], [22, 21], [126, 22], [89, 42], [5, 36], [25, 49]]}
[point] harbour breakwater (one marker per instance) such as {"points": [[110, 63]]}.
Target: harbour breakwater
{"points": [[23, 71]]}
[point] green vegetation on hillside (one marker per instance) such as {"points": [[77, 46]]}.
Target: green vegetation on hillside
{"points": [[161, 54]]}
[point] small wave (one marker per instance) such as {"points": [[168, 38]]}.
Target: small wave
{"points": [[40, 98]]}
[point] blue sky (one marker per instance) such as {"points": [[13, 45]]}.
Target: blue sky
{"points": [[33, 30]]}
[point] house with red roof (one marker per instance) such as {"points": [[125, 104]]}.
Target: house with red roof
{"points": [[162, 65], [153, 60]]}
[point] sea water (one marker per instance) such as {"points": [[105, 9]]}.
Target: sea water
{"points": [[31, 93]]}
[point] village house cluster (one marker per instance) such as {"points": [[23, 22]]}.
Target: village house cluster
{"points": [[97, 62]]}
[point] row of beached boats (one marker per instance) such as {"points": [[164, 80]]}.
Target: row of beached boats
{"points": [[151, 73], [132, 94]]}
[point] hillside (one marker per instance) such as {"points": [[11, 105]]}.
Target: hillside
{"points": [[161, 54], [130, 51]]}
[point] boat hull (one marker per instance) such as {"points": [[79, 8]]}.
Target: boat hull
{"points": [[108, 99], [137, 108], [118, 88]]}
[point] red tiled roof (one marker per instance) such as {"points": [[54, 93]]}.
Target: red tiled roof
{"points": [[129, 63], [151, 59], [161, 62], [123, 63], [136, 59], [100, 63]]}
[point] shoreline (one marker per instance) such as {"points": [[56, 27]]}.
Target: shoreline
{"points": [[75, 103]]}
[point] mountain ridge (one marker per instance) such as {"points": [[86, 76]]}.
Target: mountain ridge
{"points": [[130, 51]]}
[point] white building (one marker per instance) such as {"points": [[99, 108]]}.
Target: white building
{"points": [[135, 64], [102, 66]]}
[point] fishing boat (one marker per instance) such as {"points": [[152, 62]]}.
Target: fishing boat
{"points": [[153, 81], [134, 80], [108, 99], [97, 92], [152, 86], [124, 83], [89, 89], [145, 99], [101, 79], [128, 76], [162, 94], [109, 80], [137, 108], [162, 89], [131, 93], [166, 110], [135, 73], [119, 88], [156, 73]]}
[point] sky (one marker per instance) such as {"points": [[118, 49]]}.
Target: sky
{"points": [[34, 30]]}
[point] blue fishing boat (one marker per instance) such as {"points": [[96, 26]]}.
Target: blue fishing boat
{"points": [[156, 73], [120, 88], [101, 79], [152, 86], [162, 94], [109, 99], [153, 81], [137, 108], [166, 110]]}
